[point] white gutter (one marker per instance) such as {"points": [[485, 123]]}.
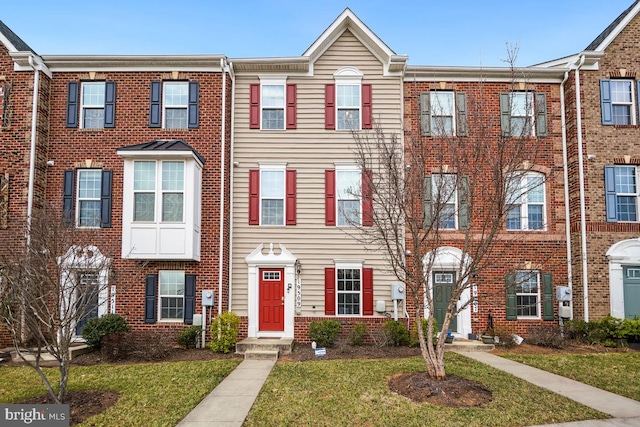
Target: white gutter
{"points": [[566, 185], [32, 155], [583, 225], [231, 192], [223, 143]]}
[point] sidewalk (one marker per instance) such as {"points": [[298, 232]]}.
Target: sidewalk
{"points": [[229, 403], [626, 412]]}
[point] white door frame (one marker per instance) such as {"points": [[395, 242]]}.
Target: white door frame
{"points": [[448, 258], [622, 253], [257, 260]]}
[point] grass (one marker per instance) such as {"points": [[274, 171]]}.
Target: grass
{"points": [[354, 393], [153, 394], [618, 373]]}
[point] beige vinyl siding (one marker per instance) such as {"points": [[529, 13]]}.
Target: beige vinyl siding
{"points": [[309, 149]]}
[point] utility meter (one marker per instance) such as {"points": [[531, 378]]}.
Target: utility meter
{"points": [[398, 291], [207, 297]]}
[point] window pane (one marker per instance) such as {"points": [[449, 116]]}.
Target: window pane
{"points": [[620, 91], [176, 94], [348, 184], [93, 94], [535, 218], [348, 212], [625, 180], [272, 183], [621, 114], [348, 290], [172, 308], [521, 104], [172, 175], [172, 206], [175, 118], [89, 182], [273, 96], [535, 189], [273, 119], [272, 212], [627, 208], [513, 218], [89, 213], [348, 96], [442, 103], [93, 118], [171, 282], [144, 176], [447, 218], [348, 119], [144, 204], [441, 125]]}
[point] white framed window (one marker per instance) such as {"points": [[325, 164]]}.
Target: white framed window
{"points": [[622, 105], [171, 295], [348, 106], [445, 200], [92, 105], [527, 290], [158, 195], [443, 121], [349, 289], [272, 104], [349, 196], [627, 195], [522, 114], [89, 193], [175, 105], [272, 195], [526, 202]]}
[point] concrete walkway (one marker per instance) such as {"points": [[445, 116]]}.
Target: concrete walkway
{"points": [[229, 403], [626, 412]]}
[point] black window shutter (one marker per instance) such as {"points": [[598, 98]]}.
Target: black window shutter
{"points": [[547, 296], [463, 202], [194, 104], [427, 215], [541, 115], [72, 105], [67, 196], [605, 102], [110, 105], [425, 114], [151, 292], [461, 118], [105, 199], [505, 114], [512, 310], [155, 116], [610, 193], [189, 298]]}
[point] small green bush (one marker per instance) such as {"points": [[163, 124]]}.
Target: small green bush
{"points": [[397, 333], [98, 327], [188, 337], [358, 334], [224, 332], [324, 332], [608, 331]]}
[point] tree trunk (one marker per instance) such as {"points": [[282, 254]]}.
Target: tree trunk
{"points": [[433, 355]]}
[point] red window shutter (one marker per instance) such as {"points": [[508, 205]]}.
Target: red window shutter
{"points": [[367, 198], [367, 113], [292, 108], [291, 197], [254, 106], [330, 106], [367, 291], [330, 197], [330, 291], [254, 197]]}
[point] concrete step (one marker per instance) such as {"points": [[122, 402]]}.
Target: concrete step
{"points": [[261, 354], [281, 345], [466, 345]]}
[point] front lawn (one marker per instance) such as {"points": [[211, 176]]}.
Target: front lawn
{"points": [[616, 372], [355, 393], [151, 394]]}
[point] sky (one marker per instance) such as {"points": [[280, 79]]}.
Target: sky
{"points": [[440, 33]]}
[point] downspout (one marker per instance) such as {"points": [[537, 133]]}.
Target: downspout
{"points": [[32, 154], [232, 173], [583, 225], [223, 168], [565, 159]]}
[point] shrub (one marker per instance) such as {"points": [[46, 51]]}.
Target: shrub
{"points": [[189, 337], [505, 337], [324, 332], [137, 345], [358, 334], [224, 332], [117, 346], [547, 336], [98, 327], [397, 332]]}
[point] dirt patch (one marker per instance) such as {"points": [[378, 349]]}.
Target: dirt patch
{"points": [[454, 392], [82, 404]]}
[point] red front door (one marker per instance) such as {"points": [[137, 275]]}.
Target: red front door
{"points": [[271, 299]]}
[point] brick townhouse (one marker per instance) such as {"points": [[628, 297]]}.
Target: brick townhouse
{"points": [[202, 172]]}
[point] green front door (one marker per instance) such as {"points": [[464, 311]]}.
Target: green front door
{"points": [[631, 284], [443, 282]]}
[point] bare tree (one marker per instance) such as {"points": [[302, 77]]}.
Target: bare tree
{"points": [[48, 291], [454, 191]]}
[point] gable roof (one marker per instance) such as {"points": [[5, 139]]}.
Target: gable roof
{"points": [[611, 32], [12, 42], [158, 146]]}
